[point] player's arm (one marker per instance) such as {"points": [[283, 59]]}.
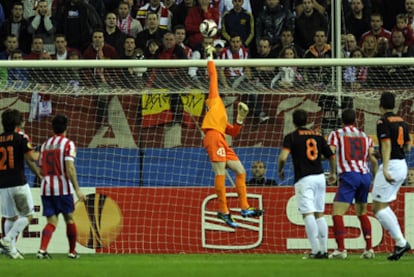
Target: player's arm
{"points": [[71, 172], [233, 130], [332, 171], [281, 162], [212, 73], [385, 156], [373, 160], [34, 168]]}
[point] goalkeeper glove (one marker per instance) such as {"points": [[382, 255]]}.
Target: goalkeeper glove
{"points": [[242, 111], [210, 51]]}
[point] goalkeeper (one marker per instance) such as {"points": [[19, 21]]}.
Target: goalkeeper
{"points": [[215, 127]]}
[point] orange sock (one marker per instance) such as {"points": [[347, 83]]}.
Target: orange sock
{"points": [[241, 190], [220, 186]]}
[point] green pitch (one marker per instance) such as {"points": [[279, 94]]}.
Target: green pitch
{"points": [[199, 265]]}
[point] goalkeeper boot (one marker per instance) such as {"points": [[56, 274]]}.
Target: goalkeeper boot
{"points": [[228, 219], [251, 212], [399, 252]]}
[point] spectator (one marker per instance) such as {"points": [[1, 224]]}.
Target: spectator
{"points": [[200, 75], [152, 50], [263, 74], [399, 46], [357, 19], [355, 76], [180, 35], [259, 172], [272, 20], [383, 47], [31, 6], [127, 24], [410, 178], [11, 44], [151, 31], [307, 23], [130, 77], [61, 47], [113, 36], [37, 48], [240, 21], [287, 39], [180, 13], [288, 76], [18, 77], [195, 16], [170, 77], [377, 30], [409, 9], [77, 20], [171, 5], [2, 16], [351, 44], [100, 77], [226, 5], [41, 24], [369, 46], [319, 5], [240, 77], [17, 26], [319, 79], [401, 24], [155, 6]]}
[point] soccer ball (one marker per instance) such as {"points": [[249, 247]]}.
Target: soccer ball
{"points": [[208, 28]]}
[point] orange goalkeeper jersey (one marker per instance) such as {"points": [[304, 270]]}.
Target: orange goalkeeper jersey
{"points": [[216, 116]]}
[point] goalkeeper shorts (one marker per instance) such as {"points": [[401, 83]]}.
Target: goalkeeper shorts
{"points": [[217, 148]]}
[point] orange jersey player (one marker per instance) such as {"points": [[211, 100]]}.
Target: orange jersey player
{"points": [[215, 127]]}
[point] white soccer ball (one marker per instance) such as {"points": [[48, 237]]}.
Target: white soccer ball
{"points": [[208, 28]]}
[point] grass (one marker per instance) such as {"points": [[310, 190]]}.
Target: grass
{"points": [[199, 265]]}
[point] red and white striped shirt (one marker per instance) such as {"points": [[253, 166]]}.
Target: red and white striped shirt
{"points": [[53, 154], [352, 148], [228, 54]]}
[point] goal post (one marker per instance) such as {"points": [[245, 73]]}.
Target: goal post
{"points": [[140, 154]]}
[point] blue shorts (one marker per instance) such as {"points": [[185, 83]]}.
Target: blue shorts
{"points": [[353, 185], [54, 205]]}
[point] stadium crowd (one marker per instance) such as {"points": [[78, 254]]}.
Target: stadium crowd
{"points": [[375, 28]]}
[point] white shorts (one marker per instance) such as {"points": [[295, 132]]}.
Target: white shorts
{"points": [[310, 193], [16, 201], [383, 191]]}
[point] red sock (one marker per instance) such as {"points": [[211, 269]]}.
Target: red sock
{"points": [[46, 236], [366, 230], [339, 231], [71, 234]]}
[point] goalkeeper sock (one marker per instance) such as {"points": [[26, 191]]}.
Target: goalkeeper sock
{"points": [[220, 186], [71, 234], [46, 236], [339, 231], [366, 230], [241, 190]]}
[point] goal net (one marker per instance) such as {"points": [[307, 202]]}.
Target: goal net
{"points": [[140, 155]]}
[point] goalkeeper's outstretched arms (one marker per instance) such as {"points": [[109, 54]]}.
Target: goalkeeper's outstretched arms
{"points": [[212, 73], [242, 111]]}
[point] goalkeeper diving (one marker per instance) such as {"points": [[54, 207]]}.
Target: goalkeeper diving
{"points": [[215, 127]]}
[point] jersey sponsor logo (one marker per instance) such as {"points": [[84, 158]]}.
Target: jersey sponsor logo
{"points": [[221, 152]]}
